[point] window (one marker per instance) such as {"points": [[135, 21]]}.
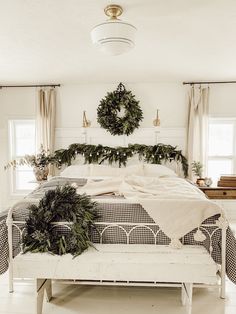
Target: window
{"points": [[22, 142], [222, 148]]}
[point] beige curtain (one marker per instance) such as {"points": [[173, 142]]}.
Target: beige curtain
{"points": [[197, 141], [46, 119]]}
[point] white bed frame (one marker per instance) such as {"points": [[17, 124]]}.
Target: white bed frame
{"points": [[122, 264]]}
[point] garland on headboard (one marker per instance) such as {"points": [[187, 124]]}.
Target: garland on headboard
{"points": [[98, 154]]}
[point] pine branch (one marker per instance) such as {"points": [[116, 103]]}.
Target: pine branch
{"points": [[99, 154], [61, 204]]}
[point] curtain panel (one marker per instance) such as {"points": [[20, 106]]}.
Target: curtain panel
{"points": [[46, 119], [198, 118]]}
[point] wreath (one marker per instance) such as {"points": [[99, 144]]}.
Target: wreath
{"points": [[110, 107], [61, 204]]}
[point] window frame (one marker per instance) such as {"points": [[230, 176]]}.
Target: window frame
{"points": [[12, 122], [224, 120]]}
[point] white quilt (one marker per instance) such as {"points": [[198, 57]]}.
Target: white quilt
{"points": [[174, 204]]}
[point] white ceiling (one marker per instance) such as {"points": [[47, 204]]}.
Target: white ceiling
{"points": [[44, 41]]}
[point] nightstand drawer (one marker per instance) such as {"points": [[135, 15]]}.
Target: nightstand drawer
{"points": [[220, 193]]}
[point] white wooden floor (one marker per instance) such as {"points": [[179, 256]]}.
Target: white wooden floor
{"points": [[114, 300]]}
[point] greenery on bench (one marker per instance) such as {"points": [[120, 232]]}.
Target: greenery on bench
{"points": [[61, 204], [99, 153]]}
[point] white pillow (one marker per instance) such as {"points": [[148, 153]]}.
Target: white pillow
{"points": [[109, 171], [104, 171], [154, 170], [76, 171], [134, 170]]}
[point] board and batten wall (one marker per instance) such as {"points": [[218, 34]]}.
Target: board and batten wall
{"points": [[72, 99]]}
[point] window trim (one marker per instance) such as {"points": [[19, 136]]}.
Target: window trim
{"points": [[14, 192], [225, 120]]}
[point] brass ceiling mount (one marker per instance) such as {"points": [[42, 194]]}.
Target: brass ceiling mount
{"points": [[113, 11]]}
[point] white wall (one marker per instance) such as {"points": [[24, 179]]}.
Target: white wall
{"points": [[223, 100], [169, 98], [73, 99]]}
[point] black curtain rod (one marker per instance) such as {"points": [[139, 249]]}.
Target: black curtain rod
{"points": [[211, 82], [40, 85]]}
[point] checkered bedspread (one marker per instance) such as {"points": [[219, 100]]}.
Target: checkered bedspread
{"points": [[120, 213]]}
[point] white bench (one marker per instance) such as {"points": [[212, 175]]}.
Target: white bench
{"points": [[115, 264]]}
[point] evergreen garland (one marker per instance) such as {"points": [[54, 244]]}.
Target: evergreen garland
{"points": [[107, 112], [98, 154], [61, 204]]}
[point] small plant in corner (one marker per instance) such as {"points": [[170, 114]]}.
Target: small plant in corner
{"points": [[197, 169], [39, 162]]}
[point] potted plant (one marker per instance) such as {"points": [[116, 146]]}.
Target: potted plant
{"points": [[39, 162], [197, 168]]}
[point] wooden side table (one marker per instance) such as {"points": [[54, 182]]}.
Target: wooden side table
{"points": [[219, 192], [224, 196]]}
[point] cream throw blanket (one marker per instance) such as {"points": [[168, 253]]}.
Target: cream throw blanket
{"points": [[174, 204]]}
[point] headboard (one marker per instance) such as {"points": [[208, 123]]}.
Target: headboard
{"points": [[95, 136]]}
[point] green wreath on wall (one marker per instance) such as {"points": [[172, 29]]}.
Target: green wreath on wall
{"points": [[110, 107]]}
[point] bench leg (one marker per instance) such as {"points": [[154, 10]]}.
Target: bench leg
{"points": [[187, 295], [183, 295], [48, 288], [40, 287]]}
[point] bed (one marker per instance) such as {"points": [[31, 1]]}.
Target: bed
{"points": [[125, 221]]}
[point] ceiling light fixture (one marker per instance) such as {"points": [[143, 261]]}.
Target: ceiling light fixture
{"points": [[114, 36]]}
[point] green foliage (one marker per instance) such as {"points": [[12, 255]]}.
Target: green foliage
{"points": [[109, 107], [40, 160], [98, 154], [197, 168], [61, 204]]}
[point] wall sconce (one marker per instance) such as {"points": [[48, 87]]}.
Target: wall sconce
{"points": [[157, 121], [86, 122]]}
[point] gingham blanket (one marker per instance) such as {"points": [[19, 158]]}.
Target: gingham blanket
{"points": [[165, 200], [119, 212]]}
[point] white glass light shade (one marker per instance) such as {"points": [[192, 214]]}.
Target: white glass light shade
{"points": [[114, 37]]}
